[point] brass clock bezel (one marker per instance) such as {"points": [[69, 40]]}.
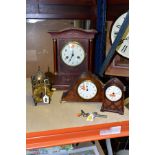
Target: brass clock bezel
{"points": [[83, 97], [108, 98], [73, 42]]}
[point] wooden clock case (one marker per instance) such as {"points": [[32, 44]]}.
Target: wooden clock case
{"points": [[119, 65], [114, 106], [72, 96], [65, 75]]}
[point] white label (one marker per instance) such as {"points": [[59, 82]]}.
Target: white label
{"points": [[46, 99], [112, 130], [90, 117]]}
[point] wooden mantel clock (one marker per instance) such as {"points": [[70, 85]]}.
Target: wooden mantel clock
{"points": [[88, 88], [113, 96], [73, 52]]}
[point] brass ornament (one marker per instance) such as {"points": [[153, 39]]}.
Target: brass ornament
{"points": [[41, 88], [39, 93], [37, 78]]}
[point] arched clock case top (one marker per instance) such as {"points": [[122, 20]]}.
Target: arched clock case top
{"points": [[87, 88]]}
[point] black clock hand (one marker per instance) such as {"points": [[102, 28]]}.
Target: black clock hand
{"points": [[71, 56], [86, 88], [66, 57], [122, 40]]}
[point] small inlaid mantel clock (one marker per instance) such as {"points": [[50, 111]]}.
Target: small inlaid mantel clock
{"points": [[114, 96], [73, 52]]}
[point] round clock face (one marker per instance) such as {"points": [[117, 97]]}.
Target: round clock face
{"points": [[87, 90], [123, 47], [72, 54], [113, 93]]}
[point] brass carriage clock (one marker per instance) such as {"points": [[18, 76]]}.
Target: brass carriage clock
{"points": [[41, 88]]}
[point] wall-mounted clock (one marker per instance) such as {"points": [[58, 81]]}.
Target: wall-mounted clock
{"points": [[113, 96], [87, 88], [123, 47], [73, 53]]}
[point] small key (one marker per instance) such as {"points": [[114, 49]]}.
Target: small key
{"points": [[99, 115], [84, 114], [94, 113]]}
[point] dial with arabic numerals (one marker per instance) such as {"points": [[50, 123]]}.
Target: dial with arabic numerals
{"points": [[73, 54], [87, 89], [113, 93], [123, 46]]}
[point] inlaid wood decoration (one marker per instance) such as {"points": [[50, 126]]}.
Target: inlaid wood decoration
{"points": [[114, 96], [73, 53], [88, 88]]}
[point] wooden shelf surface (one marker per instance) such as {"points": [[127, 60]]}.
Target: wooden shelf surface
{"points": [[57, 123]]}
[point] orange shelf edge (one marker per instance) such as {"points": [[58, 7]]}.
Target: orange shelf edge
{"points": [[73, 135]]}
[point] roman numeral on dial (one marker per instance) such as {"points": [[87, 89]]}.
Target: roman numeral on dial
{"points": [[124, 48]]}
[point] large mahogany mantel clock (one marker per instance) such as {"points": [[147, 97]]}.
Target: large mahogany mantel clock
{"points": [[73, 52]]}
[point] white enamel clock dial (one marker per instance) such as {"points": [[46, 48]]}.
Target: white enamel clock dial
{"points": [[123, 47], [113, 93], [73, 54], [87, 89]]}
